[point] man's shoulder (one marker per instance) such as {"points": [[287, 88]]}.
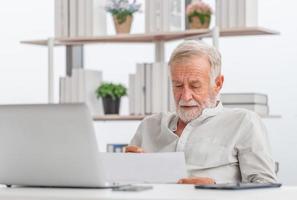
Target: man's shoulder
{"points": [[158, 118], [240, 113]]}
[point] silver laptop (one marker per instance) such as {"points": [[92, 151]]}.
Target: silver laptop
{"points": [[49, 145]]}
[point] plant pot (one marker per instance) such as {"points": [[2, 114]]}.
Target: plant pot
{"points": [[123, 27], [196, 22], [111, 106]]}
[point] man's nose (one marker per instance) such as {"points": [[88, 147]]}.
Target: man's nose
{"points": [[186, 94]]}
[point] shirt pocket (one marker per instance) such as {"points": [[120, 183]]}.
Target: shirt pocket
{"points": [[205, 153]]}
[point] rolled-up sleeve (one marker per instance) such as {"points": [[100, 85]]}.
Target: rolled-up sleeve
{"points": [[254, 154]]}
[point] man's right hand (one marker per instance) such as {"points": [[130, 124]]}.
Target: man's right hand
{"points": [[133, 149]]}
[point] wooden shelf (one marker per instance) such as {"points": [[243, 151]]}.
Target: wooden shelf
{"points": [[141, 117], [154, 37]]}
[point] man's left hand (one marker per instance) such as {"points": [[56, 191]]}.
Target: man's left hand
{"points": [[197, 181]]}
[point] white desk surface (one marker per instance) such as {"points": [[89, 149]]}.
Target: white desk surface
{"points": [[168, 192]]}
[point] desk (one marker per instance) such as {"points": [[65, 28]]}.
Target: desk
{"points": [[160, 192]]}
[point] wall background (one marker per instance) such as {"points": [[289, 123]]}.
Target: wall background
{"points": [[266, 64]]}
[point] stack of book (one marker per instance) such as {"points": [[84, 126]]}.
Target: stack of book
{"points": [[164, 16], [115, 148], [80, 18], [80, 88], [252, 101], [149, 89], [236, 13]]}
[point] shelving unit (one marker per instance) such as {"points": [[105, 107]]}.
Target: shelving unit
{"points": [[158, 39], [154, 37]]}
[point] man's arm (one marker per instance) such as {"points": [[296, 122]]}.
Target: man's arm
{"points": [[254, 154], [135, 143]]}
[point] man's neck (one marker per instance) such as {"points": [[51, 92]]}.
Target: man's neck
{"points": [[180, 127]]}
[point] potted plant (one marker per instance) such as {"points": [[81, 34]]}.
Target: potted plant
{"points": [[199, 14], [111, 95], [122, 12]]}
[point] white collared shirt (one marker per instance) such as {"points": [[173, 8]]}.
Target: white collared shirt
{"points": [[228, 145]]}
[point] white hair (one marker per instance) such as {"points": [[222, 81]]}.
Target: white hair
{"points": [[191, 48]]}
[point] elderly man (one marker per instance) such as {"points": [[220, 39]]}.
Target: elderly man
{"points": [[221, 145]]}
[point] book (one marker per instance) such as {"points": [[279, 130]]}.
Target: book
{"points": [[244, 98], [148, 88], [164, 16], [58, 18], [218, 13], [233, 13], [90, 80], [96, 19], [131, 94], [62, 90], [164, 93], [140, 89], [224, 14], [247, 13], [261, 109], [65, 18], [73, 18], [81, 17]]}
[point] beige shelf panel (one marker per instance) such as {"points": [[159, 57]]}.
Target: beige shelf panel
{"points": [[153, 37]]}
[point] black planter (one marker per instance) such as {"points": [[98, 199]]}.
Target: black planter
{"points": [[111, 106]]}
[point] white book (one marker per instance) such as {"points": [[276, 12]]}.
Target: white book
{"points": [[164, 88], [68, 90], [92, 80], [262, 110], [153, 12], [80, 91], [96, 17], [156, 89], [176, 15], [65, 18], [233, 13], [247, 13], [131, 94], [73, 13], [140, 87], [224, 14], [81, 17], [75, 85], [244, 98], [218, 12], [172, 106], [164, 16], [58, 18], [62, 90], [148, 17], [148, 88]]}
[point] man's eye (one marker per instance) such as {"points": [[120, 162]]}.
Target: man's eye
{"points": [[195, 86], [178, 86]]}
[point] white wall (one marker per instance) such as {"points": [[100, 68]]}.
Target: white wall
{"points": [[265, 64]]}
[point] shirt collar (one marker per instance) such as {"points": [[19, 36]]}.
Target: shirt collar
{"points": [[206, 113]]}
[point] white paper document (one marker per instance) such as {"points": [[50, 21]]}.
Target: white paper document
{"points": [[144, 167]]}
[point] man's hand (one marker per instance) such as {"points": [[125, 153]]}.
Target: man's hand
{"points": [[197, 181], [133, 149]]}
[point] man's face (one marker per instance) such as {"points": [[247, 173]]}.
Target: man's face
{"points": [[192, 87]]}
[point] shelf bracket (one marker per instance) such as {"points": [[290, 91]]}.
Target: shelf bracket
{"points": [[159, 51], [215, 36]]}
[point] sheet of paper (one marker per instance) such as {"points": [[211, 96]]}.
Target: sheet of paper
{"points": [[144, 167]]}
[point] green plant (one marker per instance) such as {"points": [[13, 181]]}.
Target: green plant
{"points": [[115, 91], [199, 9], [121, 9]]}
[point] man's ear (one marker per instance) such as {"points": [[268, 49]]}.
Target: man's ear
{"points": [[219, 83]]}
